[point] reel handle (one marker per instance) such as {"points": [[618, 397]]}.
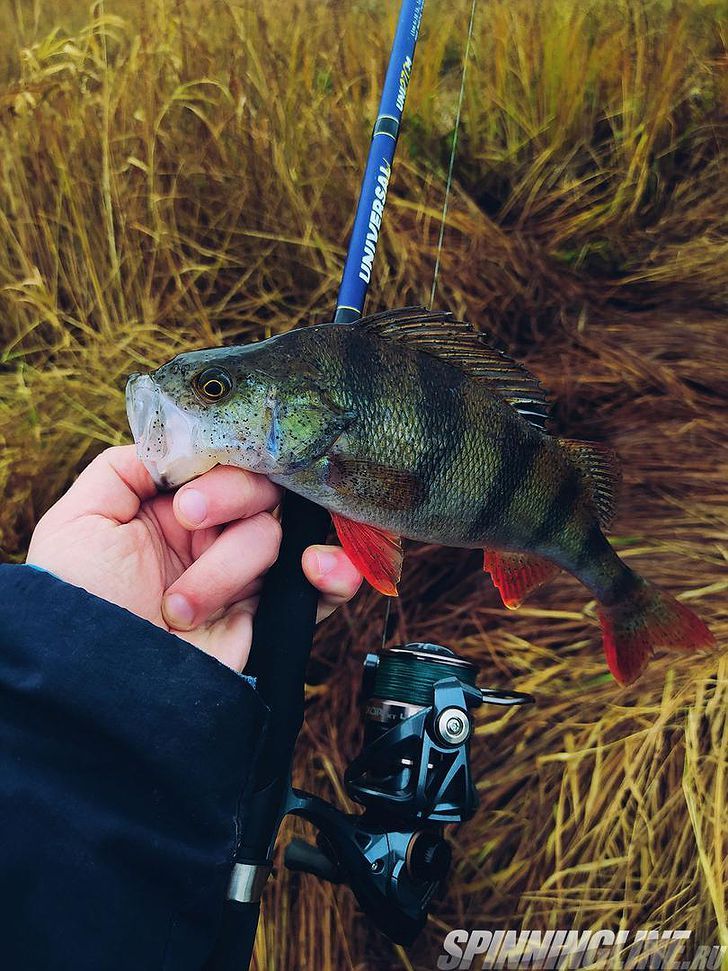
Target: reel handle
{"points": [[302, 857], [498, 696], [393, 868]]}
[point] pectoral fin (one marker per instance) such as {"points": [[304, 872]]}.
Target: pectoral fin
{"points": [[362, 480], [516, 575], [376, 553]]}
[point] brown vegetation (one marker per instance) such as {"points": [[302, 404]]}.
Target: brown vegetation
{"points": [[176, 174]]}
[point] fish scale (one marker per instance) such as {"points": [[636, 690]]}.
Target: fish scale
{"points": [[409, 424], [447, 435]]}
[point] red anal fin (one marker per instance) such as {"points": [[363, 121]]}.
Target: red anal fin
{"points": [[376, 553], [517, 574]]}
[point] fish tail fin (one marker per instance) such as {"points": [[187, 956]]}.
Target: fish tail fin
{"points": [[601, 474], [645, 620]]}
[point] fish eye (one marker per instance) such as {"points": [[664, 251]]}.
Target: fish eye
{"points": [[213, 384]]}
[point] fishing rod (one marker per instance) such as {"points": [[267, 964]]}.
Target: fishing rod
{"points": [[413, 774], [286, 616]]}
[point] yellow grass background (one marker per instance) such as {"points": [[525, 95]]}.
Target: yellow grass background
{"points": [[178, 174]]}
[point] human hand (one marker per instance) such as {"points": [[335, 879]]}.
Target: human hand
{"points": [[191, 562]]}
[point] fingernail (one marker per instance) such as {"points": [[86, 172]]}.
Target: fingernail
{"points": [[193, 506], [326, 562], [178, 611]]}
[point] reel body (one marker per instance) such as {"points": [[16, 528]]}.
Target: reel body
{"points": [[412, 776]]}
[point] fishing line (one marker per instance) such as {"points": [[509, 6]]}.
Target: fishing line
{"points": [[385, 625], [453, 150], [443, 219]]}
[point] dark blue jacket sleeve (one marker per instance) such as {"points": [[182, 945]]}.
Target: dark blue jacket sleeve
{"points": [[125, 757]]}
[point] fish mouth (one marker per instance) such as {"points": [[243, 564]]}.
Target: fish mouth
{"points": [[166, 437]]}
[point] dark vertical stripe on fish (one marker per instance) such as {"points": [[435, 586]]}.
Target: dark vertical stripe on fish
{"points": [[445, 443], [591, 547], [609, 578], [513, 467], [360, 363], [560, 510]]}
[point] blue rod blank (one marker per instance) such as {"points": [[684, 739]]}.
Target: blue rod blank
{"points": [[372, 197]]}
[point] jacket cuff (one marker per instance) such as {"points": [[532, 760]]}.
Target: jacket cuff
{"points": [[127, 754]]}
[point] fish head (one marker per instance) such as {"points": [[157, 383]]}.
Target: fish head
{"points": [[249, 407]]}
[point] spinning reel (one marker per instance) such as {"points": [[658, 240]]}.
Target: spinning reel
{"points": [[412, 776]]}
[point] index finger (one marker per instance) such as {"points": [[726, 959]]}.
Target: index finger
{"points": [[222, 495]]}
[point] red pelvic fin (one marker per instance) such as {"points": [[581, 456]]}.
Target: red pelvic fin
{"points": [[647, 620], [517, 574], [376, 553]]}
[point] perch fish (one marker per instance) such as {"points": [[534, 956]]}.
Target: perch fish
{"points": [[409, 424]]}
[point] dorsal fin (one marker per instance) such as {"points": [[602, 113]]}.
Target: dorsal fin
{"points": [[437, 333], [599, 467]]}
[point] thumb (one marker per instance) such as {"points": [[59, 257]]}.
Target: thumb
{"points": [[114, 486]]}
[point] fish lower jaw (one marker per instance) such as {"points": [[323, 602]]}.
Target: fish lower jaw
{"points": [[171, 473]]}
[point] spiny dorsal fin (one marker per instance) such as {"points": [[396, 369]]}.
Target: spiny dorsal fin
{"points": [[600, 469], [437, 333]]}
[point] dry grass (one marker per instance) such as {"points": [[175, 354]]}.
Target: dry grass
{"points": [[177, 174]]}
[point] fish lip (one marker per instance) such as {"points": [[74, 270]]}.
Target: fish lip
{"points": [[142, 405], [164, 435], [137, 403]]}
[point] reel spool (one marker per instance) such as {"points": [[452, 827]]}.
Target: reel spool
{"points": [[399, 681], [412, 777], [415, 762]]}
